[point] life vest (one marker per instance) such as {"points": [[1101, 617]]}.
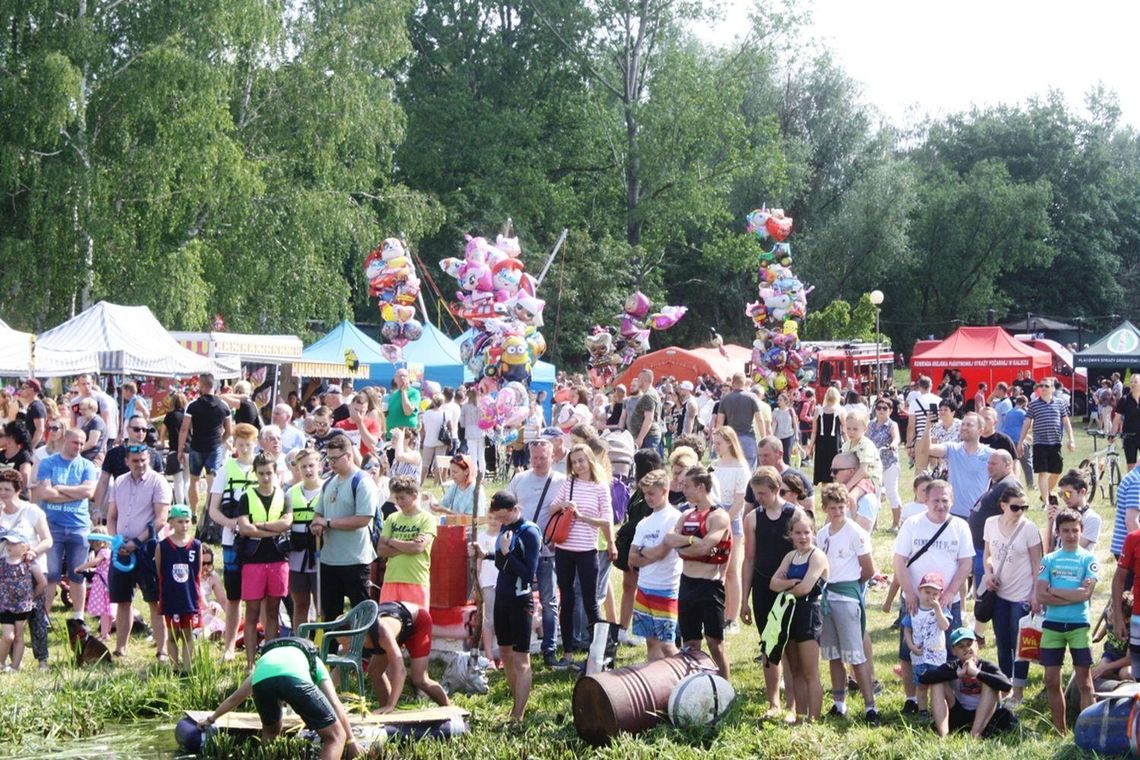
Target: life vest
{"points": [[695, 525], [302, 510], [237, 483], [257, 513], [302, 539]]}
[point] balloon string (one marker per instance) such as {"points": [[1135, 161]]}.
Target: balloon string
{"points": [[561, 284], [436, 290]]}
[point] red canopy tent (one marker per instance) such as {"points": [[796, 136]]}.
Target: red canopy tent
{"points": [[690, 363], [982, 354]]}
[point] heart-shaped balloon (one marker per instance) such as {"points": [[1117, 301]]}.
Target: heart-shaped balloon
{"points": [[404, 313], [779, 227], [391, 352]]}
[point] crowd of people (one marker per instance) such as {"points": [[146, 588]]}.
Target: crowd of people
{"points": [[717, 504]]}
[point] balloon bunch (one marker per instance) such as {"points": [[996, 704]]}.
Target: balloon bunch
{"points": [[778, 358], [503, 412], [497, 298], [612, 348], [392, 281]]}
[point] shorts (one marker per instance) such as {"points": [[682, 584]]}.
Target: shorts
{"points": [[304, 697], [186, 621], [655, 615], [842, 634], [961, 719], [264, 579], [514, 621], [302, 582], [738, 525], [1047, 458], [418, 642], [231, 574], [211, 461], [700, 609], [807, 621], [11, 618], [1055, 637], [1131, 447], [920, 668], [393, 591], [68, 549], [121, 586], [762, 600]]}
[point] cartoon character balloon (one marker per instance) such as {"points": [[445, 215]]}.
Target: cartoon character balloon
{"points": [[630, 338], [497, 299], [393, 282]]}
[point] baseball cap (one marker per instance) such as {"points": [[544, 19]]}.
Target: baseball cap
{"points": [[686, 386], [551, 433], [958, 635], [332, 389], [933, 580], [34, 384], [178, 511], [15, 537]]}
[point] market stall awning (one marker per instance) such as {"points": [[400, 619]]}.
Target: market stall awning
{"points": [[21, 357], [128, 340], [265, 349], [1120, 348], [328, 356], [982, 347]]}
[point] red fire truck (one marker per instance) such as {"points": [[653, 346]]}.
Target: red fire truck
{"points": [[837, 360]]}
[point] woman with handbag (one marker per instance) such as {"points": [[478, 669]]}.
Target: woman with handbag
{"points": [[1012, 556], [264, 520], [581, 509]]}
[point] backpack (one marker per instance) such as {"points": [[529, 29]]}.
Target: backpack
{"points": [[374, 527], [619, 498]]}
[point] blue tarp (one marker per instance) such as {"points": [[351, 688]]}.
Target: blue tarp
{"points": [[435, 351], [542, 375]]}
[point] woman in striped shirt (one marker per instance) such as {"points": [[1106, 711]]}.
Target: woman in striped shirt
{"points": [[586, 495]]}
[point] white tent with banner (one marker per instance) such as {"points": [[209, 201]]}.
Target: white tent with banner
{"points": [[21, 357], [128, 340]]}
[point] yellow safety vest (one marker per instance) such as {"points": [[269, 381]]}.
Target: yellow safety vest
{"points": [[302, 510], [257, 513]]}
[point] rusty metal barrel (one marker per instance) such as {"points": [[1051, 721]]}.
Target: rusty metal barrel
{"points": [[630, 699]]}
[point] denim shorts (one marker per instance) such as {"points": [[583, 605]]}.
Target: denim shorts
{"points": [[68, 548], [211, 461]]}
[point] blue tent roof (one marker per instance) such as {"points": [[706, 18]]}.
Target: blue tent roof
{"points": [[345, 336], [435, 351]]}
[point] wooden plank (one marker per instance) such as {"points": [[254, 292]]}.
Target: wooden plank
{"points": [[249, 722]]}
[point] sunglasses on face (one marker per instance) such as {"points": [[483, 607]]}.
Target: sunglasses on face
{"points": [[834, 470], [882, 408], [136, 448], [1016, 507], [138, 429], [54, 427], [1067, 494]]}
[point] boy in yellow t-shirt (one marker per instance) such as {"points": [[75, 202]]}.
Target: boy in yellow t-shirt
{"points": [[406, 540]]}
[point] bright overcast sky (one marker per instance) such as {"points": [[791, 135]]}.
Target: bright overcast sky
{"points": [[917, 56]]}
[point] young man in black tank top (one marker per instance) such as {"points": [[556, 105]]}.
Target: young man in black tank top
{"points": [[703, 538], [766, 542]]}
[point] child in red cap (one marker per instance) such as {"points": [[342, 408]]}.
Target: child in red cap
{"points": [[925, 631]]}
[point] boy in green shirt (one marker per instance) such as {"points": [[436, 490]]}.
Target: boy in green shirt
{"points": [[406, 540]]}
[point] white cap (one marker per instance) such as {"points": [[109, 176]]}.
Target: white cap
{"points": [[686, 386]]}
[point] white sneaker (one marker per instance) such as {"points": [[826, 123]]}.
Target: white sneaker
{"points": [[629, 639], [732, 627]]}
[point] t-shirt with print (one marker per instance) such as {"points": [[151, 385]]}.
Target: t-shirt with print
{"points": [[917, 403], [868, 455], [843, 549], [952, 546], [1047, 419], [924, 630], [1067, 570], [665, 573], [410, 568], [67, 515], [1017, 574]]}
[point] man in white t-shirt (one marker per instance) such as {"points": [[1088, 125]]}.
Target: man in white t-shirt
{"points": [[451, 413], [932, 542], [659, 570]]}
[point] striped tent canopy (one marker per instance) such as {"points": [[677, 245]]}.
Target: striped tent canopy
{"points": [[128, 340], [21, 357]]}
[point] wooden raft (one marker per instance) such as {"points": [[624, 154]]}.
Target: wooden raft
{"points": [[244, 723]]}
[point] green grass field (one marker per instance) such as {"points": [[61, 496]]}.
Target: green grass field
{"points": [[44, 713]]}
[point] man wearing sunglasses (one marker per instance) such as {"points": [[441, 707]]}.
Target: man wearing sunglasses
{"points": [[115, 463]]}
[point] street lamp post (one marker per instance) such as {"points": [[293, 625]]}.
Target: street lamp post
{"points": [[877, 301]]}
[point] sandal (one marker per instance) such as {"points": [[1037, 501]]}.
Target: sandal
{"points": [[162, 657]]}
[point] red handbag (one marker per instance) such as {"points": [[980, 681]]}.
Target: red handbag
{"points": [[558, 529]]}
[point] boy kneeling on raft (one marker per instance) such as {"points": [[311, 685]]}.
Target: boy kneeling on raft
{"points": [[290, 671]]}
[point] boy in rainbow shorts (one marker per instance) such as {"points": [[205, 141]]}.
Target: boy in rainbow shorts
{"points": [[1066, 583], [659, 570]]}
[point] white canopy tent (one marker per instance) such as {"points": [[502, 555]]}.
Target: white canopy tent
{"points": [[128, 340], [21, 357]]}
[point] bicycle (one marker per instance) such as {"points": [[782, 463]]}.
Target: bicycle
{"points": [[1103, 468]]}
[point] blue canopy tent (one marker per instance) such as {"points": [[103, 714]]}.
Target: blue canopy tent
{"points": [[325, 358], [542, 375], [435, 351]]}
